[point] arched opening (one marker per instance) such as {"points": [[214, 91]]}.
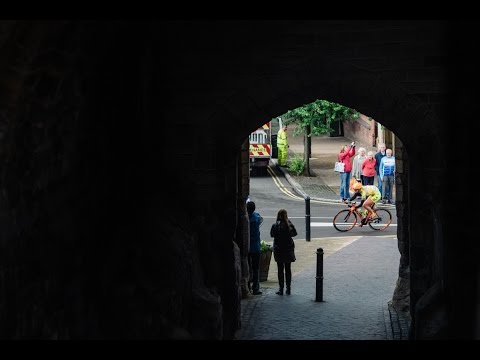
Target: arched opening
{"points": [[403, 115], [268, 203]]}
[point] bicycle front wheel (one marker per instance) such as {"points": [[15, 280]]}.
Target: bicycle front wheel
{"points": [[383, 220], [345, 220]]}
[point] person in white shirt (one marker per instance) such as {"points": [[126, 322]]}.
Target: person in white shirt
{"points": [[387, 175]]}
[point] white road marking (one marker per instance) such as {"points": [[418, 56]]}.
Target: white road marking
{"points": [[326, 224]]}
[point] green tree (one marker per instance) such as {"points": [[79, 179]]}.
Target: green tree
{"points": [[317, 118]]}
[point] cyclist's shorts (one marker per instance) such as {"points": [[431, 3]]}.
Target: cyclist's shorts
{"points": [[375, 197], [362, 212]]}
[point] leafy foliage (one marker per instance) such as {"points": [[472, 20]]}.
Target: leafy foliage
{"points": [[264, 247], [296, 164], [318, 116]]}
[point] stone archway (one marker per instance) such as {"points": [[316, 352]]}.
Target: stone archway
{"points": [[404, 115], [95, 115]]}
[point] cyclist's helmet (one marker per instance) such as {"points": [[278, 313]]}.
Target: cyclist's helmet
{"points": [[357, 186]]}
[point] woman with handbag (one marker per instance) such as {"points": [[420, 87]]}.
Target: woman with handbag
{"points": [[283, 249]]}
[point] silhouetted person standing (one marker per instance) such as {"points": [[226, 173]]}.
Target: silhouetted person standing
{"points": [[283, 249], [254, 253]]}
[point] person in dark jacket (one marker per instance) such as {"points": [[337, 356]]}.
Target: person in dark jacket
{"points": [[254, 252], [378, 158], [283, 249]]}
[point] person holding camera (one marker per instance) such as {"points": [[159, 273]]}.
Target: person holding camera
{"points": [[346, 152]]}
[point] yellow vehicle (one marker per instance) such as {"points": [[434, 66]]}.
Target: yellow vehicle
{"points": [[260, 149], [263, 146]]}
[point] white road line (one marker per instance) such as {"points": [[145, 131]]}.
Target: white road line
{"points": [[312, 217], [326, 224]]}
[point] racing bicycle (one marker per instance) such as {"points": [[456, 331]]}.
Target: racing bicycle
{"points": [[346, 219]]}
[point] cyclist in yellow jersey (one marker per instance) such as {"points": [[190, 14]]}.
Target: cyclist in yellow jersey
{"points": [[370, 196]]}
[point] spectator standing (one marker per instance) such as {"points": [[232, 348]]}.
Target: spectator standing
{"points": [[346, 152], [357, 164], [283, 249], [387, 175], [368, 169], [378, 157], [254, 254]]}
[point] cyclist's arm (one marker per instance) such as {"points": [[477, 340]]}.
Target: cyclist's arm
{"points": [[354, 196], [360, 204]]}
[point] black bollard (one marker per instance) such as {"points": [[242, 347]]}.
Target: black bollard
{"points": [[307, 218], [319, 277]]}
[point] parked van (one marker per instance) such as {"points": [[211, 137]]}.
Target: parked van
{"points": [[263, 145]]}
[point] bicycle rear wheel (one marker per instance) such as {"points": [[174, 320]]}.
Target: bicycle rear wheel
{"points": [[383, 220], [345, 220]]}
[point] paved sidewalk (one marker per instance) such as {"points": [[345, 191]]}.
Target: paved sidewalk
{"points": [[359, 279]]}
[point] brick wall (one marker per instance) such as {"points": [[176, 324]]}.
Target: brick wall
{"points": [[362, 130]]}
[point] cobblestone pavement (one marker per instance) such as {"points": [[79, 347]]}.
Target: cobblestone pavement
{"points": [[358, 282], [398, 323]]}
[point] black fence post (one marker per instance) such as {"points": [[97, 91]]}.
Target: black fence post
{"points": [[307, 218], [319, 277]]}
